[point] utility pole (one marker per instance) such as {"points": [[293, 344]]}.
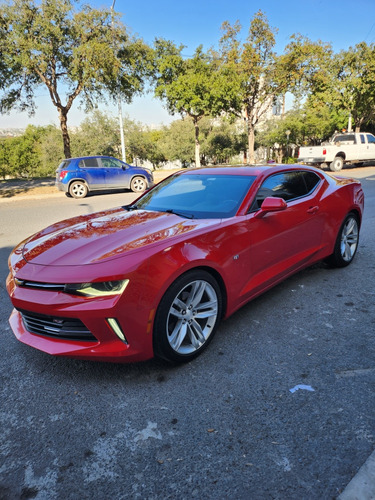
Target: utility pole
{"points": [[123, 150], [350, 122], [350, 115]]}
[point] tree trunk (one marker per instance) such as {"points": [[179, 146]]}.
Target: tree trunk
{"points": [[251, 141], [63, 115], [197, 145], [245, 157]]}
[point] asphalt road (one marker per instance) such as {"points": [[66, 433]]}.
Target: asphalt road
{"points": [[224, 426]]}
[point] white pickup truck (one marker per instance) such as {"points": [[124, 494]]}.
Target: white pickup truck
{"points": [[345, 148]]}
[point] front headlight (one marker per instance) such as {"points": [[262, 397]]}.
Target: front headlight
{"points": [[99, 289]]}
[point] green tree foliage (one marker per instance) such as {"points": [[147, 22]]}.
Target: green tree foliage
{"points": [[98, 134], [253, 69], [353, 83], [343, 82], [51, 151], [305, 67], [177, 142], [193, 87], [224, 141], [144, 144], [307, 125], [86, 54], [33, 154], [4, 158]]}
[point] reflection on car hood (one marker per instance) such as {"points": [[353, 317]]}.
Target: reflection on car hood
{"points": [[106, 235]]}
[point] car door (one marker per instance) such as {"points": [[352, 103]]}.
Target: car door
{"points": [[116, 173], [370, 154], [282, 241], [91, 171]]}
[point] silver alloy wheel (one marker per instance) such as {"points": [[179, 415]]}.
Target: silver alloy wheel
{"points": [[192, 317], [78, 190], [138, 184], [349, 239]]}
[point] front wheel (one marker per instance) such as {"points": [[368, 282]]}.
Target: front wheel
{"points": [[138, 185], [346, 242], [337, 164], [187, 317]]}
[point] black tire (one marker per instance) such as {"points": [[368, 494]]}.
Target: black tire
{"points": [[187, 317], [78, 189], [337, 164], [138, 184], [346, 243]]}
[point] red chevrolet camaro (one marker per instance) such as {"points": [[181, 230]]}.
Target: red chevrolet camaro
{"points": [[156, 277]]}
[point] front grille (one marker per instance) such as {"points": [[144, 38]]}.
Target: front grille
{"points": [[52, 326], [41, 286]]}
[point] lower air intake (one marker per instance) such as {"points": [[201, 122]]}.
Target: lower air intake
{"points": [[61, 328]]}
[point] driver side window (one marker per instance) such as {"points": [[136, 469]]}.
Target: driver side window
{"points": [[286, 185], [111, 163]]}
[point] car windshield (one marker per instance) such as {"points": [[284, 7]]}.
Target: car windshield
{"points": [[198, 196]]}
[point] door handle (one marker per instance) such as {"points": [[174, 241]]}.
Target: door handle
{"points": [[313, 210]]}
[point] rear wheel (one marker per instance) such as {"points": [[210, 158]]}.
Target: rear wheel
{"points": [[337, 164], [187, 317], [78, 189], [346, 242], [138, 185]]}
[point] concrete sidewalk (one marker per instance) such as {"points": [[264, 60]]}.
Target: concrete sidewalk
{"points": [[362, 486]]}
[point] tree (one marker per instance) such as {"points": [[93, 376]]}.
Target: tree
{"points": [[144, 144], [341, 82], [252, 66], [97, 135], [353, 83], [177, 142], [225, 140], [22, 156], [194, 87], [86, 54], [305, 67]]}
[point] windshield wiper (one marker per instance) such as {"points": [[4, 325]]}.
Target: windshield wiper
{"points": [[180, 214], [130, 207]]}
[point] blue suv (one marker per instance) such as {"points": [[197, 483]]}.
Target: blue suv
{"points": [[77, 176]]}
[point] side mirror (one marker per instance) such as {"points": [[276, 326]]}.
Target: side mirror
{"points": [[271, 204]]}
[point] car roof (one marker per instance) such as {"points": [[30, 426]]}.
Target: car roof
{"points": [[90, 156], [250, 170]]}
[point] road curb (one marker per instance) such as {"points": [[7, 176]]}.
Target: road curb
{"points": [[29, 197], [362, 486]]}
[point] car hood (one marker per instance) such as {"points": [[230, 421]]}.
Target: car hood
{"points": [[106, 235]]}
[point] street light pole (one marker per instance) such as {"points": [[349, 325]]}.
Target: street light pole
{"points": [[123, 150]]}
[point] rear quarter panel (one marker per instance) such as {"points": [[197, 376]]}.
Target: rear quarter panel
{"points": [[341, 197]]}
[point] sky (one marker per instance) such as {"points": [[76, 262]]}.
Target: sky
{"points": [[343, 23]]}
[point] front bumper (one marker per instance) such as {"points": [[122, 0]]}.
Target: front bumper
{"points": [[102, 343]]}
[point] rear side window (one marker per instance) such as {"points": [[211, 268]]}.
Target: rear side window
{"points": [[312, 180], [370, 139], [347, 139], [287, 185], [64, 164], [89, 163]]}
